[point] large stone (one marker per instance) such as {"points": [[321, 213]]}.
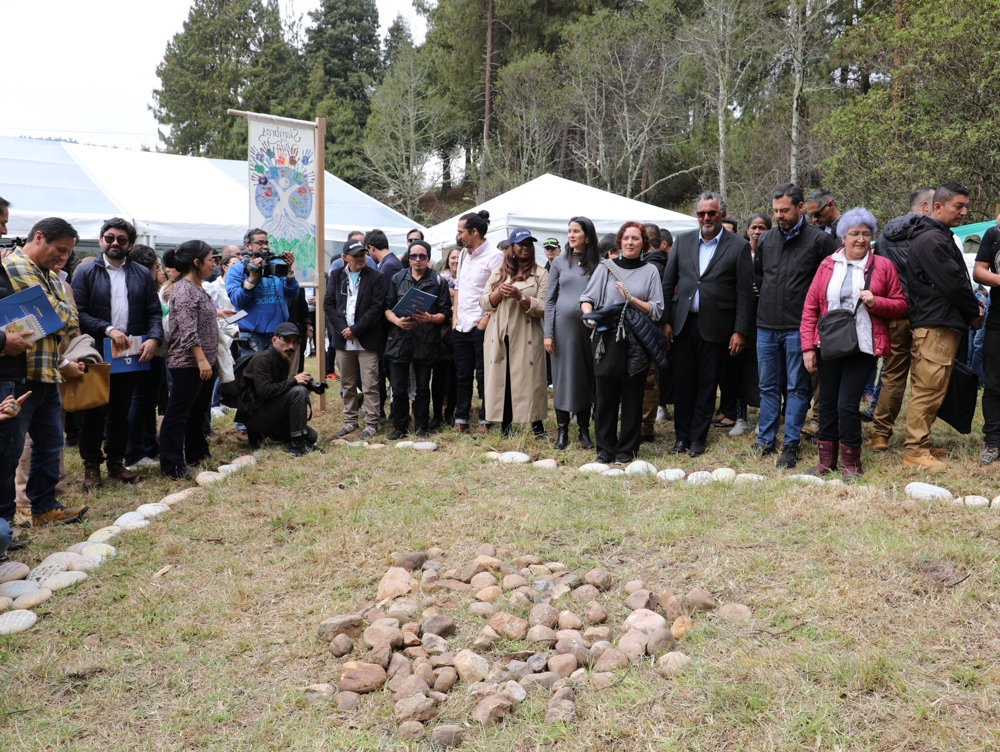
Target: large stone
{"points": [[485, 639], [423, 669], [30, 600], [521, 599], [106, 533], [489, 562], [398, 664], [439, 625], [444, 659], [633, 644], [660, 641], [471, 666], [641, 599], [347, 700], [12, 571], [610, 660], [564, 664], [746, 479], [546, 679], [586, 593], [395, 583], [541, 633], [537, 662], [543, 614], [483, 580], [448, 735], [402, 611], [808, 480], [671, 664], [152, 510], [640, 467], [411, 731], [598, 468], [522, 562], [489, 594], [569, 620], [415, 708], [514, 458], [411, 562], [63, 580], [671, 474], [14, 622], [560, 711], [674, 606], [469, 570], [602, 681], [681, 626], [735, 612], [411, 685], [361, 677], [514, 581], [483, 609], [571, 580], [85, 564], [976, 502], [319, 692], [378, 634], [596, 634], [17, 588], [724, 475], [595, 613], [632, 585], [508, 625], [699, 478], [341, 645], [5, 603], [701, 600], [434, 644], [380, 654], [546, 464], [491, 710], [40, 573], [447, 584], [445, 678], [644, 620], [207, 478]]}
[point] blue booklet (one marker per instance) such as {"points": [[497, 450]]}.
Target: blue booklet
{"points": [[29, 312], [123, 361], [414, 300]]}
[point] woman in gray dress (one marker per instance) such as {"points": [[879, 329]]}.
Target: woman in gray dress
{"points": [[567, 339]]}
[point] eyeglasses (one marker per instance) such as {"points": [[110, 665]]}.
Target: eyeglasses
{"points": [[111, 239], [706, 214], [259, 242]]}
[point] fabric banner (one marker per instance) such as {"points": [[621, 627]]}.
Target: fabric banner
{"points": [[282, 190]]}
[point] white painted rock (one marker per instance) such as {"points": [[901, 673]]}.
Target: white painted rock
{"points": [[640, 467], [833, 483], [614, 472], [425, 446], [925, 492], [671, 473], [14, 622], [86, 563], [40, 573], [807, 479], [151, 510], [546, 464], [63, 557], [13, 570], [977, 502], [748, 478], [207, 478], [17, 588], [30, 600], [63, 580], [515, 458], [594, 467], [724, 475], [6, 603], [77, 548], [130, 521], [404, 444], [491, 455], [699, 478], [178, 497], [103, 550], [229, 469], [358, 443], [247, 460], [995, 504], [104, 534]]}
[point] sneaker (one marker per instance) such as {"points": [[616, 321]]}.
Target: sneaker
{"points": [[867, 413], [218, 413], [58, 516], [757, 451], [396, 435], [990, 455], [789, 456], [811, 428], [332, 377], [741, 427], [662, 414], [923, 462], [18, 542], [347, 429], [368, 433]]}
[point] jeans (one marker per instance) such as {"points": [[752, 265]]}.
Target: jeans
{"points": [[181, 430], [8, 460], [109, 424], [400, 408], [468, 347], [841, 382], [41, 414], [874, 385], [977, 353], [142, 414], [5, 536], [779, 352], [249, 343]]}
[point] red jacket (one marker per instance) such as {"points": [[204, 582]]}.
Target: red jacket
{"points": [[890, 303]]}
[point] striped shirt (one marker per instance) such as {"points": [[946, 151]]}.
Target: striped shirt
{"points": [[44, 358]]}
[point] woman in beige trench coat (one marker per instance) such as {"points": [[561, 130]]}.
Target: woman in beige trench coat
{"points": [[515, 298]]}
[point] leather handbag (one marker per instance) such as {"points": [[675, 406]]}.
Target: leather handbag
{"points": [[838, 334], [93, 389]]}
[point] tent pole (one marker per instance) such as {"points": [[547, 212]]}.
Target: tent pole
{"points": [[320, 332]]}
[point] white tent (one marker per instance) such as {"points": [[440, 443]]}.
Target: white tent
{"points": [[546, 204]]}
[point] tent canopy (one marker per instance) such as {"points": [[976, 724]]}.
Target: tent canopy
{"points": [[978, 228], [546, 204], [169, 198]]}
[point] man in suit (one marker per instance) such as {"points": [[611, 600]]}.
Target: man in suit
{"points": [[708, 305]]}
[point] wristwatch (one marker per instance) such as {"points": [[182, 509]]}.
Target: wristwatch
{"points": [[523, 296]]}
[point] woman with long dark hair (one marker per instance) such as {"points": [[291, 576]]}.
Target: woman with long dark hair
{"points": [[567, 339], [194, 343], [514, 298], [620, 365]]}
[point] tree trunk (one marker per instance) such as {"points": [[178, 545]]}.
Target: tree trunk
{"points": [[445, 173], [563, 146], [489, 72], [798, 37]]}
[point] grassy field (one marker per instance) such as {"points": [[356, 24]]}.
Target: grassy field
{"points": [[861, 639]]}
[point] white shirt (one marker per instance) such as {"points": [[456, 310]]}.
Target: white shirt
{"points": [[352, 304], [474, 270], [119, 296], [706, 249]]}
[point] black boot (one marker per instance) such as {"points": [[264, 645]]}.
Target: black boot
{"points": [[299, 446], [583, 426], [562, 436]]}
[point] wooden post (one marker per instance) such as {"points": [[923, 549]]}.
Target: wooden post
{"points": [[320, 332]]}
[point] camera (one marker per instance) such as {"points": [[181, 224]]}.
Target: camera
{"points": [[265, 266], [316, 387]]}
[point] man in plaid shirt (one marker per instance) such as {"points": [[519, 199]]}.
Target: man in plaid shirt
{"points": [[51, 242]]}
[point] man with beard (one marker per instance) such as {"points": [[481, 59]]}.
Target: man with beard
{"points": [[116, 299]]}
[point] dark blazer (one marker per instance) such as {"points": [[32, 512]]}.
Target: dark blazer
{"points": [[368, 315], [92, 292], [726, 300]]}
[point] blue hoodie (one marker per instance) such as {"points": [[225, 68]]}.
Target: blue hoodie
{"points": [[266, 304]]}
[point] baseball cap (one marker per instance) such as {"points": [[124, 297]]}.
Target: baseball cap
{"points": [[286, 330], [551, 243], [520, 235], [353, 247]]}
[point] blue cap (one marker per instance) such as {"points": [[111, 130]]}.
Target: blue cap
{"points": [[520, 235]]}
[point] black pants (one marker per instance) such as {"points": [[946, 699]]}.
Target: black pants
{"points": [[399, 376], [697, 364], [991, 388], [468, 348], [283, 417], [841, 384], [109, 424], [730, 381], [142, 414], [538, 427], [181, 432], [616, 389], [383, 376], [444, 386]]}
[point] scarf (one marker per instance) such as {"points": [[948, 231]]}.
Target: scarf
{"points": [[627, 263]]}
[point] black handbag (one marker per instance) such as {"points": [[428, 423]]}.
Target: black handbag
{"points": [[838, 334], [959, 406]]}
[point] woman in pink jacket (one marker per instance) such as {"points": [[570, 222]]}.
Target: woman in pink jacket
{"points": [[840, 283]]}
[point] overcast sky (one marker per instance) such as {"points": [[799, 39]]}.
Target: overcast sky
{"points": [[62, 59]]}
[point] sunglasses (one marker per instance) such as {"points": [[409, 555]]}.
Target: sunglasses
{"points": [[419, 257], [706, 213], [111, 239]]}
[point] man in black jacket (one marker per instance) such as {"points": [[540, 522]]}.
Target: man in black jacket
{"points": [[415, 340], [707, 304], [942, 308], [354, 305], [893, 243], [272, 404], [987, 272], [116, 299], [785, 263]]}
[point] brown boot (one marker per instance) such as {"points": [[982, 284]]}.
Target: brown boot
{"points": [[59, 515], [116, 469], [91, 476], [852, 463], [828, 451]]}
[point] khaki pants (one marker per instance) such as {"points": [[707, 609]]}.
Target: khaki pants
{"points": [[650, 400], [932, 359], [359, 368], [895, 368]]}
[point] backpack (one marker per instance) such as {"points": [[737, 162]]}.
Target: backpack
{"points": [[401, 275], [230, 391]]}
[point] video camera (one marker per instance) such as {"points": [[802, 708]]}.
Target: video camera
{"points": [[316, 387], [265, 267], [13, 243]]}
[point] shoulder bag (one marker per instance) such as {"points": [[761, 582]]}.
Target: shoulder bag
{"points": [[838, 333]]}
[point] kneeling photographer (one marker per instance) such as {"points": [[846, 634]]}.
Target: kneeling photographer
{"points": [[273, 405]]}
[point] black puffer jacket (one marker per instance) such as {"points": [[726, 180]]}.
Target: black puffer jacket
{"points": [[644, 341], [12, 367], [893, 243], [422, 343], [657, 259], [940, 291]]}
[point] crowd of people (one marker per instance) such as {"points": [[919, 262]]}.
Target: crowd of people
{"points": [[819, 310]]}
